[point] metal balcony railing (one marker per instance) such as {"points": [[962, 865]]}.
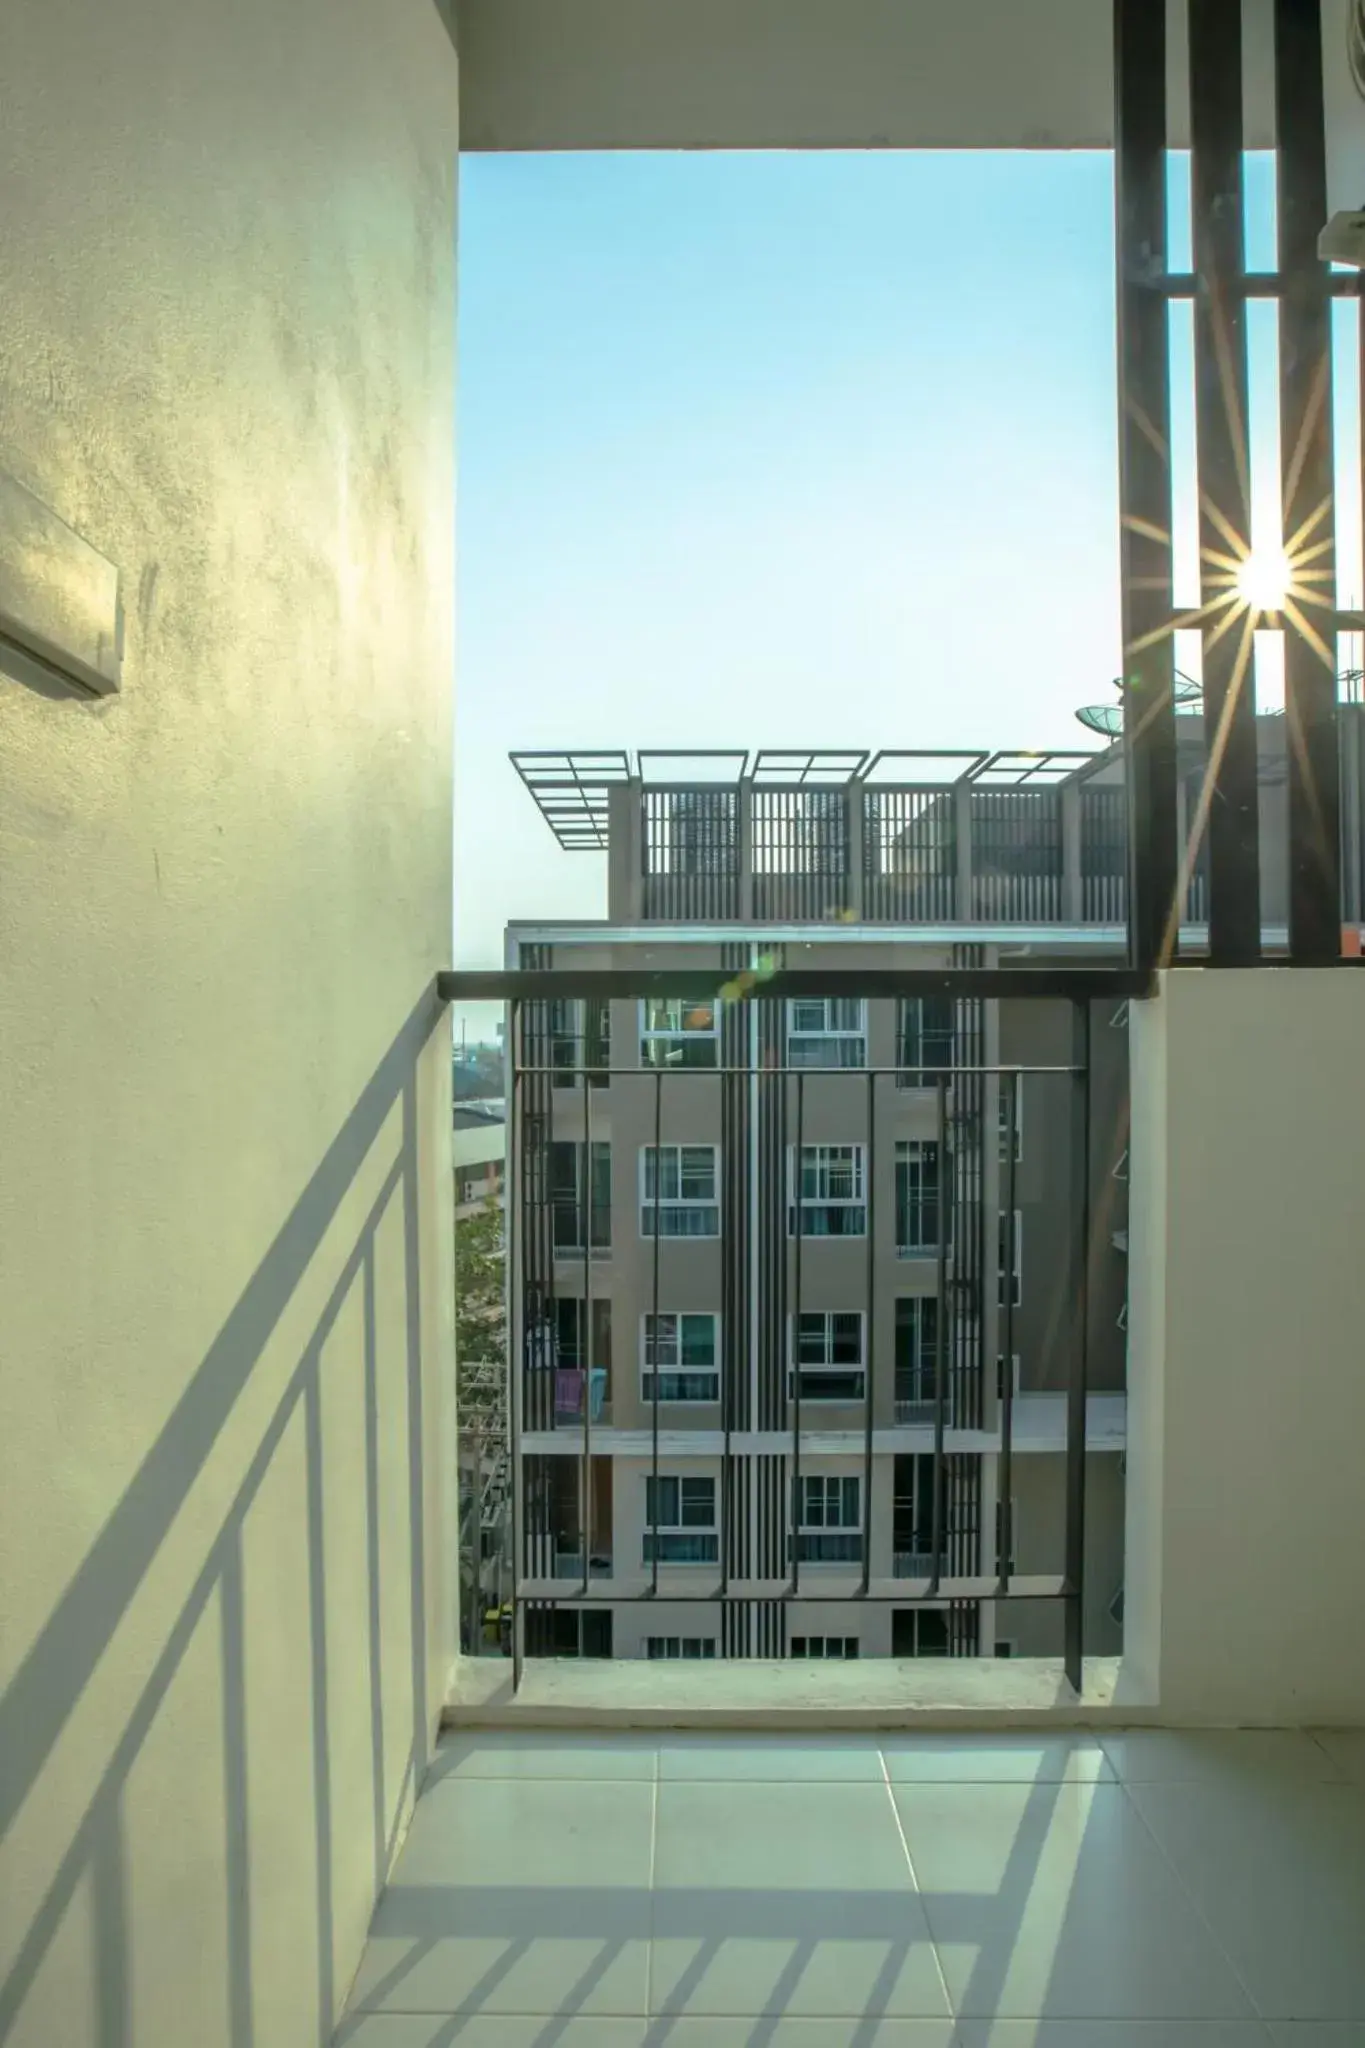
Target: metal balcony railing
{"points": [[772, 1495]]}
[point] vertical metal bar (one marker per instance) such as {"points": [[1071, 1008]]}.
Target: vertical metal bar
{"points": [[940, 1322], [519, 1209], [1309, 529], [1145, 478], [654, 1310], [1077, 1377], [585, 1338], [1005, 1509], [800, 1220], [1221, 408], [725, 1185], [870, 1323]]}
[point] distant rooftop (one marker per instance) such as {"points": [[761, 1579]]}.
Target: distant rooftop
{"points": [[571, 787]]}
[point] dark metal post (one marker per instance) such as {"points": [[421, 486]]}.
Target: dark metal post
{"points": [[1310, 646], [940, 1324], [1078, 1374], [800, 1221], [870, 1324], [1145, 480], [585, 1342], [518, 1206], [1007, 1256], [1221, 412], [654, 1299]]}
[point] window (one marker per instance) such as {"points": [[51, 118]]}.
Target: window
{"points": [[1008, 1090], [670, 1647], [684, 1512], [912, 1515], [827, 1032], [833, 1194], [569, 1331], [678, 1185], [926, 1040], [828, 1519], [678, 1033], [829, 1355], [919, 1207], [567, 1200], [578, 1035], [685, 1350], [916, 1356], [919, 1632], [824, 1646], [1011, 1255]]}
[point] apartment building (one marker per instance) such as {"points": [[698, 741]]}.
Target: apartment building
{"points": [[738, 1368]]}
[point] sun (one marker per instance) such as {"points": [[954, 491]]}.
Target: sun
{"points": [[1263, 579]]}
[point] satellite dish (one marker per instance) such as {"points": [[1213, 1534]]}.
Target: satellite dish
{"points": [[1107, 719]]}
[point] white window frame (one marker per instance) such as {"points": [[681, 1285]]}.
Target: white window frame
{"points": [[798, 1203], [660, 1042], [677, 1207], [693, 1532], [831, 1045], [1001, 1103], [826, 1367], [667, 1649], [677, 1370], [847, 1653], [1018, 1289], [837, 1490], [907, 1150]]}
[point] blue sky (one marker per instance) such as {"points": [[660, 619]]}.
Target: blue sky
{"points": [[778, 450]]}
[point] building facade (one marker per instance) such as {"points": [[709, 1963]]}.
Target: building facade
{"points": [[795, 1282]]}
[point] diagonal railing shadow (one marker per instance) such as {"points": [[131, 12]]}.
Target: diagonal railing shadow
{"points": [[52, 1678]]}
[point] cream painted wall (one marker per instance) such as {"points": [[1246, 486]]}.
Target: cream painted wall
{"points": [[226, 358], [1246, 1405]]}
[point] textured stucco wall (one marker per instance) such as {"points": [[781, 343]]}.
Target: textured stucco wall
{"points": [[226, 357]]}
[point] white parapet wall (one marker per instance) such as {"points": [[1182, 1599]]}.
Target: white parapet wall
{"points": [[1246, 1430]]}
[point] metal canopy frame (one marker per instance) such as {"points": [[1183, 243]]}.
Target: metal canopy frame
{"points": [[570, 789]]}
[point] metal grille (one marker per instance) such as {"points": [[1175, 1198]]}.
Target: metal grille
{"points": [[1104, 855], [691, 853], [800, 853], [787, 1529], [1016, 855], [909, 855]]}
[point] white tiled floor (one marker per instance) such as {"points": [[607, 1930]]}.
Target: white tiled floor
{"points": [[1139, 1891]]}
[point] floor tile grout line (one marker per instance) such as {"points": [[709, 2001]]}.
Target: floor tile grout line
{"points": [[919, 1893], [1200, 1915]]}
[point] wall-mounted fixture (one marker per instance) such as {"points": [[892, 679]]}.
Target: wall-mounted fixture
{"points": [[59, 597]]}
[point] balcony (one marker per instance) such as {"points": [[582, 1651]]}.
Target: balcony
{"points": [[1047, 1890], [231, 1429]]}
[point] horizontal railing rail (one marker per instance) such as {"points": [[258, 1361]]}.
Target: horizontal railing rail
{"points": [[751, 1172]]}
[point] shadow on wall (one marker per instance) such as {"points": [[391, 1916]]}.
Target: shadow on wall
{"points": [[50, 1681]]}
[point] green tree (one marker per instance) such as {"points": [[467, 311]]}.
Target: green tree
{"points": [[480, 1304]]}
